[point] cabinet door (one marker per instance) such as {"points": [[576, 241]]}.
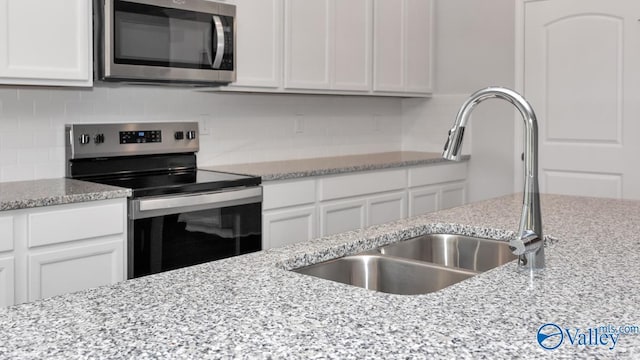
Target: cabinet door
{"points": [[307, 44], [341, 216], [351, 45], [453, 195], [69, 269], [385, 208], [402, 45], [424, 200], [582, 76], [6, 281], [289, 226], [259, 48], [46, 42], [418, 44]]}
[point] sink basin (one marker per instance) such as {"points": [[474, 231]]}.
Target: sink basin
{"points": [[387, 274], [458, 251]]}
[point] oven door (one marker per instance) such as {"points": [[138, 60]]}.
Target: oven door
{"points": [[160, 40], [171, 232]]}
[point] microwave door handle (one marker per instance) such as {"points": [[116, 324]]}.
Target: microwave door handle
{"points": [[219, 45]]}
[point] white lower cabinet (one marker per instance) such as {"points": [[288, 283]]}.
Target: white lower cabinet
{"points": [[453, 195], [341, 216], [424, 200], [54, 250], [7, 288], [75, 268], [302, 209], [284, 227], [385, 208]]}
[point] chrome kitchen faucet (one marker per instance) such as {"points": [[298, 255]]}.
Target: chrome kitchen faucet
{"points": [[529, 241]]}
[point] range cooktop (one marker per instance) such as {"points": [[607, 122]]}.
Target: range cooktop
{"points": [[182, 182]]}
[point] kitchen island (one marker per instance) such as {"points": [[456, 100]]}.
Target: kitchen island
{"points": [[252, 307]]}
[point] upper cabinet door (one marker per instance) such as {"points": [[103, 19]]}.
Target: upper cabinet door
{"points": [[307, 44], [259, 47], [46, 42], [351, 45], [402, 46], [328, 44]]}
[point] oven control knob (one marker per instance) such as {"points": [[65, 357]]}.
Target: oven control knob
{"points": [[191, 134], [98, 139], [179, 135], [84, 139]]}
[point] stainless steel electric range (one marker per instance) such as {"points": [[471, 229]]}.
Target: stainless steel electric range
{"points": [[178, 215]]}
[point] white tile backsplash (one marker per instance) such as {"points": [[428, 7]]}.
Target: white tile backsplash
{"points": [[242, 127]]}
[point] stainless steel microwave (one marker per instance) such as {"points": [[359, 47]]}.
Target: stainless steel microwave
{"points": [[170, 41]]}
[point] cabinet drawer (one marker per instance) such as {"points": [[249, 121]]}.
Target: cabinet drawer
{"points": [[288, 193], [362, 184], [75, 222], [435, 174], [6, 233]]}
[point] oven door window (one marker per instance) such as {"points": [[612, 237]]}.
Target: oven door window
{"points": [[156, 36], [173, 241]]}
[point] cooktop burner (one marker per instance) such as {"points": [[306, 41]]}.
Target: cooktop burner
{"points": [[177, 182]]}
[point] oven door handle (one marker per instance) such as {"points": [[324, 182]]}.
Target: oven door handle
{"points": [[145, 208]]}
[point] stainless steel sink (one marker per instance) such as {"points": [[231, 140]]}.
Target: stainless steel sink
{"points": [[458, 251], [416, 266], [387, 274]]}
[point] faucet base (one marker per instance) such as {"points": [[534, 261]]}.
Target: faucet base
{"points": [[532, 261]]}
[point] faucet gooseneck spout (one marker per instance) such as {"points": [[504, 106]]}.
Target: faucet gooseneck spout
{"points": [[528, 244]]}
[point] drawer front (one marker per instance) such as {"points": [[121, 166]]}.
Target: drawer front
{"points": [[75, 222], [435, 174], [6, 233], [362, 184], [289, 193]]}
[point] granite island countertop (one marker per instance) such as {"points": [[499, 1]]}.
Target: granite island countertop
{"points": [[251, 307], [290, 169], [46, 192]]}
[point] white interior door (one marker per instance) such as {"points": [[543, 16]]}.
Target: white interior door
{"points": [[582, 77]]}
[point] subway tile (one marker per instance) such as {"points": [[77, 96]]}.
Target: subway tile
{"points": [[51, 170], [16, 140], [33, 156], [17, 172]]}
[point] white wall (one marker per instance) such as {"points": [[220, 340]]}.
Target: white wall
{"points": [[243, 127], [474, 48]]}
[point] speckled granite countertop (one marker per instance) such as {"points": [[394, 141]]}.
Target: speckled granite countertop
{"points": [[47, 192], [249, 307], [289, 169]]}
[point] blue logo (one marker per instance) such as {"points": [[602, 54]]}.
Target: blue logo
{"points": [[550, 336]]}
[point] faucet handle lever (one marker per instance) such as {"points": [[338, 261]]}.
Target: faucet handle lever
{"points": [[527, 242]]}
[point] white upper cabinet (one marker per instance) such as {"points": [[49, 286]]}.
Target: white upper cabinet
{"points": [[259, 46], [328, 44], [402, 46], [306, 44], [46, 42], [331, 47], [352, 24]]}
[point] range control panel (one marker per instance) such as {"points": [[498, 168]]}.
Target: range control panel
{"points": [[140, 136], [107, 140]]}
